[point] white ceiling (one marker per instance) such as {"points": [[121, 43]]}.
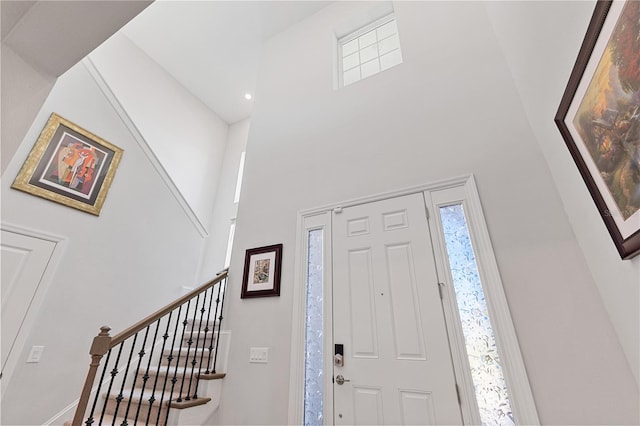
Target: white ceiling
{"points": [[213, 47]]}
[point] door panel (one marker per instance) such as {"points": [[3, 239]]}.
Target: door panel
{"points": [[364, 338], [417, 408], [388, 315], [24, 261]]}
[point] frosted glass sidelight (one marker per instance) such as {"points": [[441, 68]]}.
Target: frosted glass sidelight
{"points": [[313, 381], [486, 370]]}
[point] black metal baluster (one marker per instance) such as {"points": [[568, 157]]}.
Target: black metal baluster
{"points": [[215, 359], [145, 378], [113, 373], [135, 376], [120, 397], [213, 332], [175, 378], [90, 419], [195, 352], [186, 359], [206, 330], [166, 376], [165, 336]]}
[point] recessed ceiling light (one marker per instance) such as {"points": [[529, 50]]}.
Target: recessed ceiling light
{"points": [[248, 96]]}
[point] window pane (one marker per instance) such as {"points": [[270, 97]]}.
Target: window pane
{"points": [[388, 44], [349, 48], [350, 61], [232, 231], [313, 341], [387, 29], [367, 39], [370, 68], [391, 59], [236, 197], [351, 76], [486, 370], [369, 53]]}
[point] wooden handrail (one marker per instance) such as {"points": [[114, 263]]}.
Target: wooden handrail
{"points": [[103, 342], [125, 334]]}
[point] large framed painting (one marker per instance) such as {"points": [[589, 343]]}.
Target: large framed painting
{"points": [[69, 165], [262, 272], [599, 118]]}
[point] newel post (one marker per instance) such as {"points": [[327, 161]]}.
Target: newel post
{"points": [[99, 347]]}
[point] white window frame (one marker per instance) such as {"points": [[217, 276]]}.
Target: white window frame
{"points": [[461, 190], [354, 35]]}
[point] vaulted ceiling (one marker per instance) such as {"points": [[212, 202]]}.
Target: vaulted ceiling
{"points": [[213, 47]]}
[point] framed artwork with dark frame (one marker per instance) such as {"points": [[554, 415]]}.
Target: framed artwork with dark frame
{"points": [[599, 118], [69, 165], [262, 272]]}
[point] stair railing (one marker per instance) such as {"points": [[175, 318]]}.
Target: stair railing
{"points": [[188, 320]]}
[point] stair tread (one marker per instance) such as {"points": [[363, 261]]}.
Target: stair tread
{"points": [[172, 369], [185, 349], [142, 395], [108, 419]]}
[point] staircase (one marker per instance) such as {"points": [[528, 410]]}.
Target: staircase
{"points": [[164, 370]]}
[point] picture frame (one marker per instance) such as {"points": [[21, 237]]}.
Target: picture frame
{"points": [[599, 119], [69, 165], [262, 268]]}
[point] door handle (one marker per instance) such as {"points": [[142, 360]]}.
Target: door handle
{"points": [[340, 379]]}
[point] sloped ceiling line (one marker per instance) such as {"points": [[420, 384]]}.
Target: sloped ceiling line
{"points": [[144, 146]]}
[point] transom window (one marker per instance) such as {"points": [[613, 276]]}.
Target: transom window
{"points": [[370, 50]]}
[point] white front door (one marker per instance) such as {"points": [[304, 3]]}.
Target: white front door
{"points": [[388, 317]]}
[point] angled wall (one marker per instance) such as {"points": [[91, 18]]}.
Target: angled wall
{"points": [[557, 30], [185, 136], [116, 268], [40, 42]]}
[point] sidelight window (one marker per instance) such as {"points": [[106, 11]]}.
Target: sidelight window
{"points": [[313, 382], [479, 338]]}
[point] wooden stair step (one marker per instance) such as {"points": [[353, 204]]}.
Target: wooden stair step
{"points": [[169, 371], [182, 351], [212, 376], [201, 324], [108, 419], [138, 404], [198, 337], [140, 398]]}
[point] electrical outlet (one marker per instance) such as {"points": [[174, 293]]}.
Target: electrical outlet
{"points": [[35, 354], [259, 355]]}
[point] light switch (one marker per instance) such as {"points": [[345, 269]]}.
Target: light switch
{"points": [[35, 354], [259, 355]]}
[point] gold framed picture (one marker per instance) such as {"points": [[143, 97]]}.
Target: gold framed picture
{"points": [[69, 165]]}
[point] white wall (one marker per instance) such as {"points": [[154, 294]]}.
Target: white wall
{"points": [[450, 109], [559, 28], [185, 135], [24, 89], [116, 269], [225, 209]]}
